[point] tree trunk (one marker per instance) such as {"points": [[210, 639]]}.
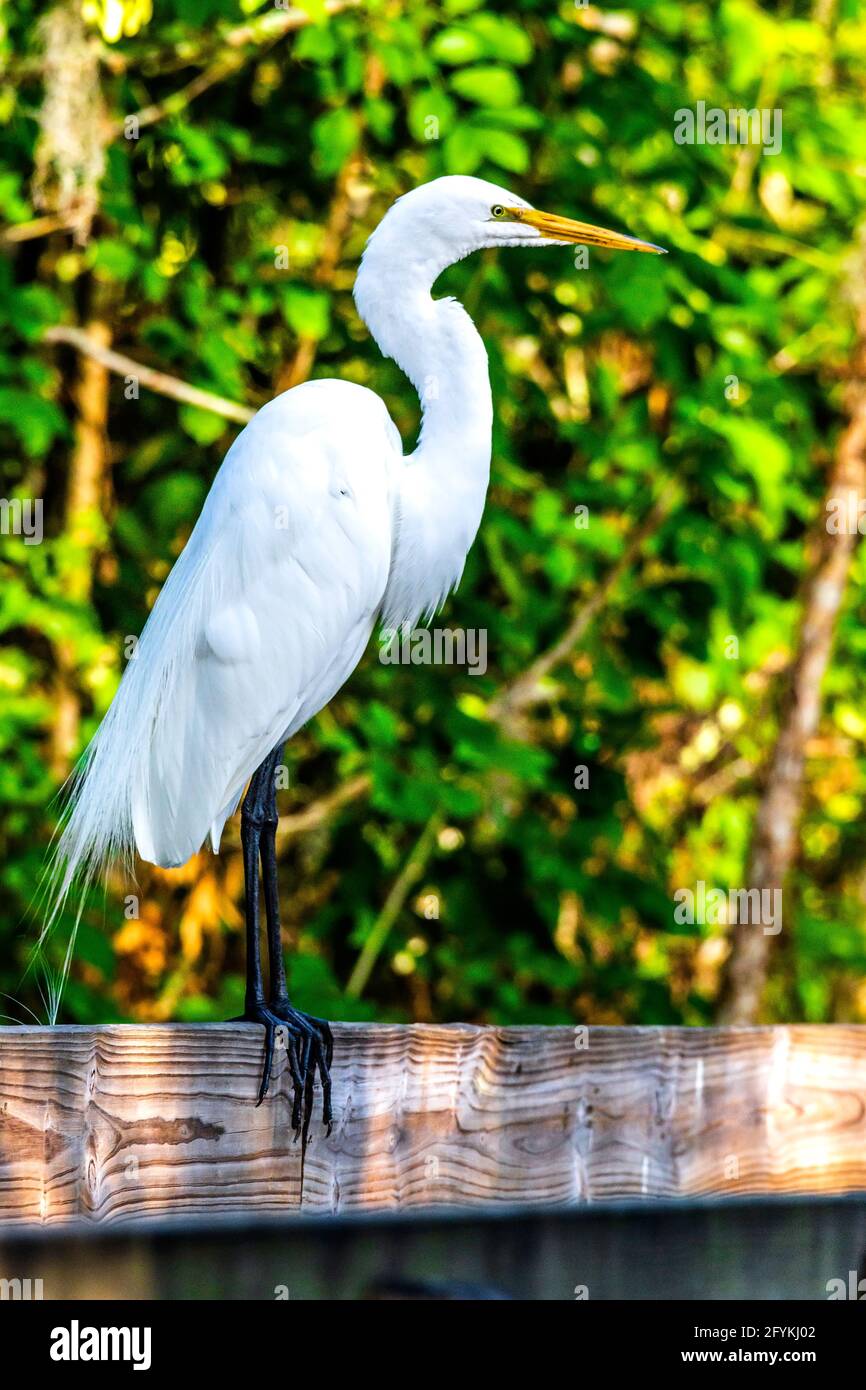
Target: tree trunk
{"points": [[84, 505], [775, 840]]}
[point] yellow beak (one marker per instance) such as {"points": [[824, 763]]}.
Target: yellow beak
{"points": [[584, 233]]}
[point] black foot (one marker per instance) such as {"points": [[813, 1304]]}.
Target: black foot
{"points": [[313, 1045], [309, 1046]]}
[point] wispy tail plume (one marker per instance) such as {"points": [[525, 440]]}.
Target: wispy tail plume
{"points": [[95, 831], [107, 801]]}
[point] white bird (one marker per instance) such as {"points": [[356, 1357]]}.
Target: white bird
{"points": [[316, 527]]}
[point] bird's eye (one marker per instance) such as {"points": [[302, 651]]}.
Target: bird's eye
{"points": [[497, 210]]}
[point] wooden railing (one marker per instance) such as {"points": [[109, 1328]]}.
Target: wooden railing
{"points": [[109, 1124]]}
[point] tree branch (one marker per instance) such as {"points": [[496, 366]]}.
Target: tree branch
{"points": [[316, 814], [38, 226], [154, 380]]}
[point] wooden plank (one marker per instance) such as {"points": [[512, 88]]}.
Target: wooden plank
{"points": [[118, 1123]]}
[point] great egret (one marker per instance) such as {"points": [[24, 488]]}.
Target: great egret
{"points": [[316, 526]]}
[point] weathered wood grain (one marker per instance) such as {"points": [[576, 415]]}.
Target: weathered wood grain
{"points": [[119, 1123]]}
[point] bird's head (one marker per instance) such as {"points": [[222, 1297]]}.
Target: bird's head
{"points": [[438, 224], [453, 216]]}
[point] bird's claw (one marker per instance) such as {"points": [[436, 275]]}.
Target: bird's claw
{"points": [[309, 1048]]}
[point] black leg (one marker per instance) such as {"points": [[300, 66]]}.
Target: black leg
{"points": [[268, 848], [255, 1010], [309, 1044], [314, 1049]]}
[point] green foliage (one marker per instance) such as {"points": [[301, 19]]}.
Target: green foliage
{"points": [[719, 368]]}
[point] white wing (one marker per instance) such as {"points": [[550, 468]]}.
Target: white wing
{"points": [[264, 616]]}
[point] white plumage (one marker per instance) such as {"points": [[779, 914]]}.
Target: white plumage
{"points": [[315, 526], [267, 611]]}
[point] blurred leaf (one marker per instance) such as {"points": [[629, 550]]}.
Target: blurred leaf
{"points": [[487, 85]]}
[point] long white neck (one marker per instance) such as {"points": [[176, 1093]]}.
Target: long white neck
{"points": [[444, 481]]}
